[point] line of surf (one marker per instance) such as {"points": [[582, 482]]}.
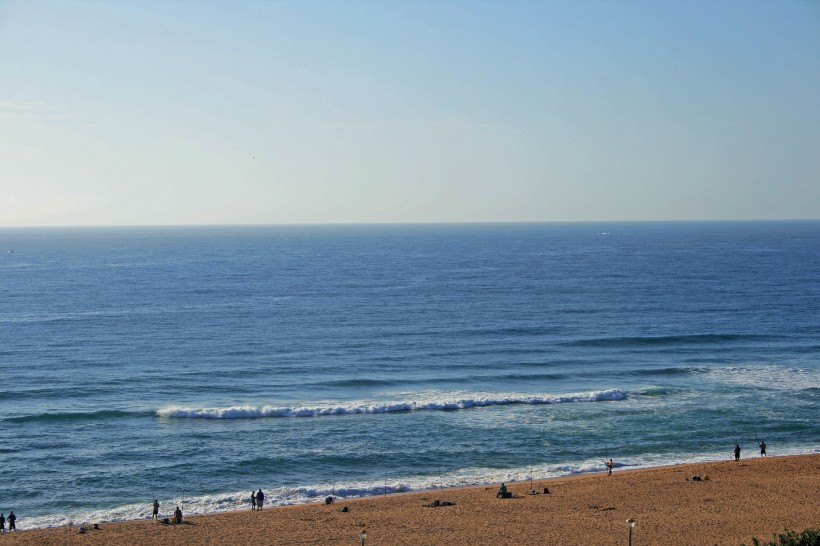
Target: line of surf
{"points": [[278, 495], [395, 406]]}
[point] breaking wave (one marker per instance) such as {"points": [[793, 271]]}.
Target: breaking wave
{"points": [[361, 407]]}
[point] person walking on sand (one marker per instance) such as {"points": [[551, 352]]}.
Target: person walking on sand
{"points": [[12, 519], [260, 499], [737, 452], [253, 500], [609, 466], [762, 448], [155, 513], [178, 515]]}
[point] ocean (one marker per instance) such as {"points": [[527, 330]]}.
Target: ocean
{"points": [[196, 364]]}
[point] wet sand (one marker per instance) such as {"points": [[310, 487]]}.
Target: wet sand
{"points": [[739, 500]]}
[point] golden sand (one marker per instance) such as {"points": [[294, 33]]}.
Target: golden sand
{"points": [[739, 500]]}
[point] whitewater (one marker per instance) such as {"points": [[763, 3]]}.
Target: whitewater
{"points": [[194, 365]]}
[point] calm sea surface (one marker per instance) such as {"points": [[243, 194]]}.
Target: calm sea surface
{"points": [[193, 365]]}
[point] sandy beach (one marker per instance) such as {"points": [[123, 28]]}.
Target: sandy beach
{"points": [[733, 502]]}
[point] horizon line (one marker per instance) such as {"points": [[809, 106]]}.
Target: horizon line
{"points": [[413, 223]]}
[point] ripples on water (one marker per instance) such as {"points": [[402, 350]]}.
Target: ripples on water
{"points": [[195, 364]]}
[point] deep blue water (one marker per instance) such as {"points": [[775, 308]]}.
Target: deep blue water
{"points": [[195, 364]]}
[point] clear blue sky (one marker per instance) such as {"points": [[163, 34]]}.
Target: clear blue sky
{"points": [[304, 111]]}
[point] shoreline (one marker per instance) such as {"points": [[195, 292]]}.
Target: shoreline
{"points": [[754, 497]]}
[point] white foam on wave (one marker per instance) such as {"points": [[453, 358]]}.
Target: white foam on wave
{"points": [[767, 377], [314, 493], [435, 403]]}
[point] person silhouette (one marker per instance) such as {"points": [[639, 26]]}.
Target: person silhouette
{"points": [[11, 519], [155, 513], [609, 466], [762, 448], [260, 499], [737, 452]]}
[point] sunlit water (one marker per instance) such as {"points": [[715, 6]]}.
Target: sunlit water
{"points": [[193, 365]]}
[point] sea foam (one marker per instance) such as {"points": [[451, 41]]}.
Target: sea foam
{"points": [[438, 403], [388, 484]]}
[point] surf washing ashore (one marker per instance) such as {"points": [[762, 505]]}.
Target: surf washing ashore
{"points": [[194, 365], [726, 503]]}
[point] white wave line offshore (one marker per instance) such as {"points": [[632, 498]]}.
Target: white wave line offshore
{"points": [[437, 403]]}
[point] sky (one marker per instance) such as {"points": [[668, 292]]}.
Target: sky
{"points": [[351, 111]]}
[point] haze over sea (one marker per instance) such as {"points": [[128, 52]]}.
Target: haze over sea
{"points": [[194, 364]]}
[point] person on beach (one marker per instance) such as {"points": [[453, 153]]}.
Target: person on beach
{"points": [[502, 492], [609, 466], [762, 448], [253, 500], [737, 452], [260, 499], [155, 513], [12, 519], [178, 515], [2, 523]]}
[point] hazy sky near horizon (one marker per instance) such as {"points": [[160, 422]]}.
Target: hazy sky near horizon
{"points": [[184, 112]]}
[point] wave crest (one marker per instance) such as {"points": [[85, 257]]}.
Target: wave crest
{"points": [[354, 408]]}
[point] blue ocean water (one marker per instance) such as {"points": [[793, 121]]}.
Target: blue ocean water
{"points": [[195, 364]]}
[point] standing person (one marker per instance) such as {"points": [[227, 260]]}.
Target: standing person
{"points": [[155, 513], [178, 515], [12, 519], [762, 448], [609, 466], [737, 452], [2, 523], [253, 500], [260, 499]]}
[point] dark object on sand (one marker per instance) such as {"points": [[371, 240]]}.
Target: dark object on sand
{"points": [[546, 491], [344, 509], [329, 500], [438, 502], [695, 478]]}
